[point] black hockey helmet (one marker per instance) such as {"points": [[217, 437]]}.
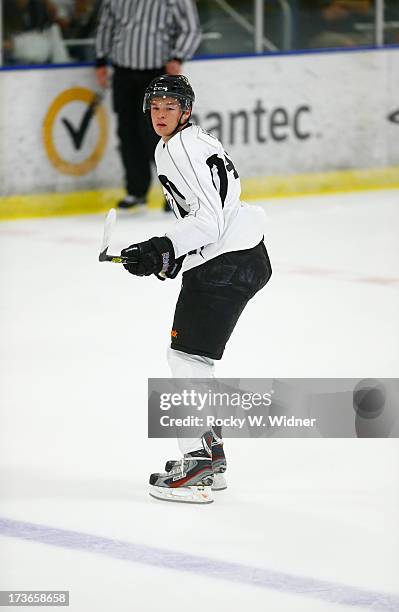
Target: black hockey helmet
{"points": [[170, 86]]}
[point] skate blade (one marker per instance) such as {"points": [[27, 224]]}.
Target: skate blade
{"points": [[219, 482], [185, 495]]}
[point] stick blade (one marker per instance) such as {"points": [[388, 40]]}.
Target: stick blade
{"points": [[109, 225]]}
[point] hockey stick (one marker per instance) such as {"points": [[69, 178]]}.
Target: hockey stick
{"points": [[109, 225]]}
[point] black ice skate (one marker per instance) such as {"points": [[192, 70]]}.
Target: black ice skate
{"points": [[219, 464], [188, 480], [132, 203]]}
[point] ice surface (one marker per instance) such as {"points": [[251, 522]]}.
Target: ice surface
{"points": [[80, 339]]}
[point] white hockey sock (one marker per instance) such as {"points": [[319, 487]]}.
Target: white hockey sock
{"points": [[183, 365]]}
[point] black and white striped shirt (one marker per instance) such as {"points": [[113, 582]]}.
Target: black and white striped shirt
{"points": [[146, 34]]}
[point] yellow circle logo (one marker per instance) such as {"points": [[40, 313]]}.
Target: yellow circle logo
{"points": [[75, 131]]}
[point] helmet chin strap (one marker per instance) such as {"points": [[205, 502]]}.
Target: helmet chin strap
{"points": [[179, 124]]}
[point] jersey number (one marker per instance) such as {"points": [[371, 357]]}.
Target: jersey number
{"points": [[175, 196], [221, 167]]}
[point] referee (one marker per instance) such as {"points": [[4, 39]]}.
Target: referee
{"points": [[143, 39]]}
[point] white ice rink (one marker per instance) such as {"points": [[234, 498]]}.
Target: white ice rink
{"points": [[306, 525]]}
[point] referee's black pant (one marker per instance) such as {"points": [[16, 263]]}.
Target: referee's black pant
{"points": [[137, 140]]}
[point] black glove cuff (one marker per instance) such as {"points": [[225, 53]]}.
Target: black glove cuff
{"points": [[175, 269], [164, 247]]}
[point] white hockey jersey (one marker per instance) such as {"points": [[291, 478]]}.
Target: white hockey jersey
{"points": [[203, 188]]}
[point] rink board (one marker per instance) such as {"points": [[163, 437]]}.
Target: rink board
{"points": [[293, 124]]}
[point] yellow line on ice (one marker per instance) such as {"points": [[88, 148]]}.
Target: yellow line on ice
{"points": [[320, 183], [86, 202]]}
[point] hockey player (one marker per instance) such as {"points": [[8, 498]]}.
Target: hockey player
{"points": [[218, 243]]}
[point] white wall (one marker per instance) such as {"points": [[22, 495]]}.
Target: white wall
{"points": [[297, 114]]}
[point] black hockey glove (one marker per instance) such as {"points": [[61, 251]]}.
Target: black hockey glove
{"points": [[173, 270], [154, 256]]}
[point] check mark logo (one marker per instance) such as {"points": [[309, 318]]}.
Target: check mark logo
{"points": [[77, 134], [394, 117]]}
